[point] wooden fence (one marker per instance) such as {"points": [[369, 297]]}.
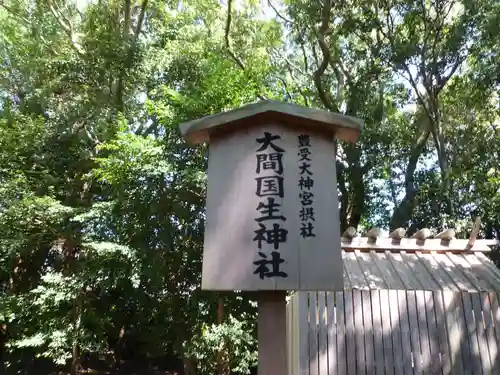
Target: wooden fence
{"points": [[393, 332]]}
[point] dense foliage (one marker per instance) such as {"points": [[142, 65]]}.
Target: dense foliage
{"points": [[102, 203]]}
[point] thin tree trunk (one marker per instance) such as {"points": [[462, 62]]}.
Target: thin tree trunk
{"points": [[402, 213], [189, 367], [3, 342]]}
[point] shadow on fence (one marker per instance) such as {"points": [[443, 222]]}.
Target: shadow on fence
{"points": [[396, 332]]}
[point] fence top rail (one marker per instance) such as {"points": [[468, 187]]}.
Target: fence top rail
{"points": [[416, 244], [423, 240]]}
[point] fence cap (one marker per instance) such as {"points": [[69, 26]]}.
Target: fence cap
{"points": [[344, 127]]}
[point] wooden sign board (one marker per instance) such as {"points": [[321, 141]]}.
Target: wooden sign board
{"points": [[272, 220]]}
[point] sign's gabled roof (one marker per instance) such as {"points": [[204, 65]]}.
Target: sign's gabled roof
{"points": [[344, 127]]}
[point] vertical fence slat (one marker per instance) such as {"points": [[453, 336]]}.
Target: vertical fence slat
{"points": [[455, 335], [377, 332], [386, 332], [480, 332], [441, 332], [368, 332], [495, 313], [397, 342], [471, 334], [349, 324], [289, 336], [405, 333], [435, 365], [313, 334], [295, 335], [490, 331], [322, 334], [341, 334], [303, 332], [295, 347], [415, 335], [359, 333], [332, 333], [424, 332]]}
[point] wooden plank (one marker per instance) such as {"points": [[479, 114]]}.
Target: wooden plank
{"points": [[347, 279], [412, 244], [377, 332], [313, 335], [465, 342], [341, 334], [389, 274], [454, 334], [419, 271], [490, 330], [436, 367], [289, 337], [495, 314], [332, 333], [490, 266], [370, 270], [354, 271], [482, 272], [304, 332], [368, 332], [434, 268], [322, 334], [405, 333], [424, 332], [466, 269], [471, 333], [480, 331], [397, 342], [386, 332], [414, 331], [350, 341], [444, 348], [404, 271], [295, 334], [462, 283], [359, 333], [485, 272]]}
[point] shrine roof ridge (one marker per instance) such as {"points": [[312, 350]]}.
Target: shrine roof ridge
{"points": [[344, 127]]}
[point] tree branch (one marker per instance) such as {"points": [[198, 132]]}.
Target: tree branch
{"points": [[140, 21], [9, 10], [67, 27], [325, 51], [233, 56], [278, 13], [402, 212], [226, 36]]}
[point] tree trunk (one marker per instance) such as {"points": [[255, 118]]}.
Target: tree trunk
{"points": [[189, 367], [402, 213], [3, 341]]}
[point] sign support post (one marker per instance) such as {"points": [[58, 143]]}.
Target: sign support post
{"points": [[271, 327], [272, 221]]}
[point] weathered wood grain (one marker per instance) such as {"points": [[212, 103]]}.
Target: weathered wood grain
{"points": [[368, 332], [331, 328], [313, 335], [322, 334], [378, 339], [386, 332], [341, 334], [350, 340], [359, 333]]}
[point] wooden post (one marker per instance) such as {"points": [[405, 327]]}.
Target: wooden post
{"points": [[272, 333]]}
